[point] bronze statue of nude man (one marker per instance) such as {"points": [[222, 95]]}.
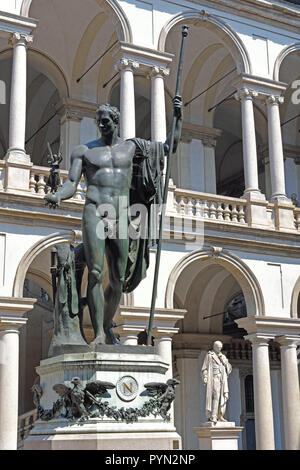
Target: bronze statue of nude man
{"points": [[106, 164]]}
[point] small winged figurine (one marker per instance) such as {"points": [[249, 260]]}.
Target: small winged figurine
{"points": [[164, 393], [80, 402], [54, 161]]}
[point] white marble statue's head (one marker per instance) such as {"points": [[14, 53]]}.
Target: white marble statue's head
{"points": [[217, 346]]}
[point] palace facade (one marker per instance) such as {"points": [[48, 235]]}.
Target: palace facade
{"points": [[230, 265]]}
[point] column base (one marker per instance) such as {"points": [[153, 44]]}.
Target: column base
{"points": [[17, 170], [219, 436], [256, 209], [284, 214]]}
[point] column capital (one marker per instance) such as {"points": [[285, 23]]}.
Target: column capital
{"points": [[274, 100], [68, 114], [20, 38], [12, 310], [288, 340], [246, 94], [259, 339], [126, 64], [158, 71], [209, 141], [164, 332]]}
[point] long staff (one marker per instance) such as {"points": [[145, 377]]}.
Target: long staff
{"points": [[166, 186]]}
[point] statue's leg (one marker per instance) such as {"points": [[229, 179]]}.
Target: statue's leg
{"points": [[94, 247], [215, 398], [116, 255]]}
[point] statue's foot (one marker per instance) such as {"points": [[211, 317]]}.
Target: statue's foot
{"points": [[223, 419], [100, 339]]}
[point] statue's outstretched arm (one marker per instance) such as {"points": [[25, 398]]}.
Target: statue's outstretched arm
{"points": [[69, 187], [177, 106]]}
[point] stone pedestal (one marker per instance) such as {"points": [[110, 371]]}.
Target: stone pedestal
{"points": [[219, 436], [129, 368]]}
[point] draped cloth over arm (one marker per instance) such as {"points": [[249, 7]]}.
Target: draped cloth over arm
{"points": [[145, 193]]}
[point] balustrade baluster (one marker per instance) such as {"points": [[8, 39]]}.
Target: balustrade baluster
{"points": [[205, 210], [226, 213], [32, 183], [241, 214], [198, 208], [41, 184], [213, 210], [234, 213], [182, 205], [190, 206], [220, 211]]}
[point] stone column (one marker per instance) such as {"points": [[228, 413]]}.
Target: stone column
{"points": [[266, 162], [290, 391], [249, 140], [128, 333], [70, 133], [11, 320], [163, 346], [17, 162], [297, 167], [209, 147], [264, 429], [17, 118], [275, 147], [127, 101], [158, 106]]}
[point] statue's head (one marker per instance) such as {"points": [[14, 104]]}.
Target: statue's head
{"points": [[107, 118], [217, 346]]}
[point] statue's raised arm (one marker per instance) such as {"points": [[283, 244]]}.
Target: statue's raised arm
{"points": [[69, 187]]}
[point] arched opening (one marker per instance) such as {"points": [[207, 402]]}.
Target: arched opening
{"points": [[287, 71], [210, 157], [215, 288], [61, 97]]}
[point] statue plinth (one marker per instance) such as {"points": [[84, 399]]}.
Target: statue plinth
{"points": [[222, 435], [127, 415]]}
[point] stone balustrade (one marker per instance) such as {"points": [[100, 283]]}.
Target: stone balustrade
{"points": [[2, 174], [181, 202], [297, 218], [241, 350], [25, 424], [210, 206], [38, 180]]}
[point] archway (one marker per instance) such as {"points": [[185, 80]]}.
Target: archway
{"points": [[211, 284], [112, 6], [216, 55], [286, 70], [231, 263]]}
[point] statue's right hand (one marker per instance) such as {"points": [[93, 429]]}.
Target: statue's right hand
{"points": [[52, 200]]}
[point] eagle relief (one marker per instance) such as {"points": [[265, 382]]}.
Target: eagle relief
{"points": [[81, 403]]}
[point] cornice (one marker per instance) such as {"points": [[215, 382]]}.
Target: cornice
{"points": [[191, 131], [77, 108], [146, 57], [263, 86], [270, 327], [10, 23], [265, 11]]}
